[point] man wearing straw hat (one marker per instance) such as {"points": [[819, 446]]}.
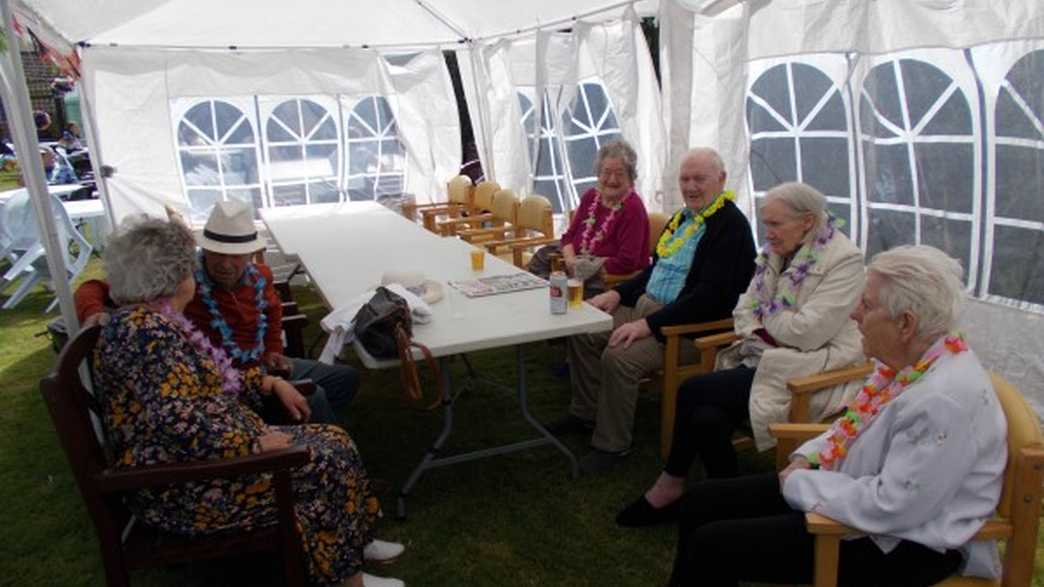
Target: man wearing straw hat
{"points": [[237, 307]]}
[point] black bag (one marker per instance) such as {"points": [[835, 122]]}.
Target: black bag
{"points": [[377, 321], [385, 329]]}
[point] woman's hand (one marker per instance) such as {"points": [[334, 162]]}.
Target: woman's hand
{"points": [[606, 301], [270, 441], [797, 463], [296, 404]]}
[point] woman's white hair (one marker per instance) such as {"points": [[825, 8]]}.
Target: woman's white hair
{"points": [[801, 199], [622, 150], [146, 259], [923, 281]]}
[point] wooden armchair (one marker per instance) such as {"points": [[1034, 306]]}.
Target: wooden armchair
{"points": [[657, 220], [501, 220], [478, 214], [125, 542], [533, 227], [1018, 513], [458, 190]]}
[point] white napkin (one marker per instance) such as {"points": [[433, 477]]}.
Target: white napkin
{"points": [[340, 324]]}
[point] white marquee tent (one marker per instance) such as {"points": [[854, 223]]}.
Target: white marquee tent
{"points": [[922, 120]]}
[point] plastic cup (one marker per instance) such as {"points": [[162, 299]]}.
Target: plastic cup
{"points": [[576, 292], [478, 259]]}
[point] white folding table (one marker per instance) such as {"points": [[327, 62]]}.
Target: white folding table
{"points": [[347, 247]]}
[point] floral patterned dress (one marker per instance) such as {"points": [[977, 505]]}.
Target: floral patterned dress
{"points": [[164, 403]]}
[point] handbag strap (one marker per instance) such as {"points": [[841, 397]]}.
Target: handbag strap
{"points": [[408, 373]]}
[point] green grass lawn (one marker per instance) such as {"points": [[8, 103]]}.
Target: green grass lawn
{"points": [[507, 521]]}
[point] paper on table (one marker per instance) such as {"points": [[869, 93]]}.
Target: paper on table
{"points": [[498, 284]]}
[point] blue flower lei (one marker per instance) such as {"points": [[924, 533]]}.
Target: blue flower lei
{"points": [[218, 321]]}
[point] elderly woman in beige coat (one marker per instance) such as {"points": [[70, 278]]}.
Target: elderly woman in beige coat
{"points": [[792, 321]]}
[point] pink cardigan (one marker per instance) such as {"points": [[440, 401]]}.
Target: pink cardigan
{"points": [[626, 246]]}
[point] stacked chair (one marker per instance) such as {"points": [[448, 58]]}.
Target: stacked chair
{"points": [[478, 215], [459, 203]]}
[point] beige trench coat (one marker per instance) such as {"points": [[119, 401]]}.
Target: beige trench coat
{"points": [[815, 335]]}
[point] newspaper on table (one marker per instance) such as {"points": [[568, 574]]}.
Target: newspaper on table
{"points": [[498, 284]]}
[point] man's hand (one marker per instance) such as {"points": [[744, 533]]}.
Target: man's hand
{"points": [[797, 463], [606, 301], [296, 404], [278, 362], [630, 332], [273, 441]]}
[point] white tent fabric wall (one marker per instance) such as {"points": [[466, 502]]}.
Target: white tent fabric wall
{"points": [[137, 93], [575, 70], [920, 120]]}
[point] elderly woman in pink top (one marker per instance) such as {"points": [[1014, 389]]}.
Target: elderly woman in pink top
{"points": [[610, 231]]}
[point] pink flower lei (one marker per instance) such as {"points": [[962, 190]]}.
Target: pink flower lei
{"points": [[231, 378], [587, 242]]}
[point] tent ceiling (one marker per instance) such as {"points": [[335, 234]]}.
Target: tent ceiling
{"points": [[305, 23]]}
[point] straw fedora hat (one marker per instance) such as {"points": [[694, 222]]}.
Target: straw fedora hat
{"points": [[230, 230]]}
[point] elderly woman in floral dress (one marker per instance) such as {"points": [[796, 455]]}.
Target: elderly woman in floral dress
{"points": [[792, 321], [170, 396], [610, 231]]}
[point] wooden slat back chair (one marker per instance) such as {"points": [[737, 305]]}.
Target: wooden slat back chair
{"points": [[657, 220], [478, 213], [801, 389], [501, 220], [534, 226], [1017, 518], [458, 201], [125, 542]]}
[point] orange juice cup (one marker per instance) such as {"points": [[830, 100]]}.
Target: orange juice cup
{"points": [[478, 259]]}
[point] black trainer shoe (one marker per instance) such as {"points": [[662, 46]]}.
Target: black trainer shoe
{"points": [[570, 424], [641, 513]]}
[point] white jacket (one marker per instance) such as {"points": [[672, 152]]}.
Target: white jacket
{"points": [[928, 469], [815, 335]]}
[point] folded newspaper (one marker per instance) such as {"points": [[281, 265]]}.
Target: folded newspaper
{"points": [[497, 284]]}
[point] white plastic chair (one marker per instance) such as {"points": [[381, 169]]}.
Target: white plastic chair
{"points": [[31, 265]]}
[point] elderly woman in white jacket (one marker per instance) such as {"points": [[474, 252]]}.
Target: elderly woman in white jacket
{"points": [[916, 463], [792, 321]]}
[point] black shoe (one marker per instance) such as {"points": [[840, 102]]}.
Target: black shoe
{"points": [[570, 424], [599, 461], [641, 513]]}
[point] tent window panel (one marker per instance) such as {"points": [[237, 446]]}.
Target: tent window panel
{"points": [[888, 174], [201, 117], [200, 168], [392, 154], [239, 166], [190, 135], [582, 156], [583, 186], [360, 188], [760, 120], [1020, 173], [321, 161], [810, 86], [772, 162], [251, 196], [323, 191], [228, 117], [376, 158], [831, 116], [946, 176], [289, 195], [362, 157], [774, 88], [887, 229], [824, 165], [923, 85], [952, 118], [278, 131], [871, 124], [284, 163], [1013, 120], [881, 96], [954, 237], [200, 203], [388, 185], [842, 212], [1018, 264]]}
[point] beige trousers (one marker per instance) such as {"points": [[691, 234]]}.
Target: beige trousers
{"points": [[605, 379]]}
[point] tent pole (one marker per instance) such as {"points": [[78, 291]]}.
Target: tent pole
{"points": [[28, 148], [91, 128]]}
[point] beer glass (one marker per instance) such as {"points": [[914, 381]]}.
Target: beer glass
{"points": [[576, 292], [478, 259]]}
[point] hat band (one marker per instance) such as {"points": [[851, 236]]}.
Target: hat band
{"points": [[231, 239]]}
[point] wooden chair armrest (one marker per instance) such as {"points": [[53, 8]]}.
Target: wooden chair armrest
{"points": [[995, 530], [282, 459], [797, 432], [696, 327], [820, 525], [828, 379], [489, 231], [293, 328], [448, 222], [433, 208], [716, 340], [521, 242]]}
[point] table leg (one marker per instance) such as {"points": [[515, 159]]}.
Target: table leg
{"points": [[447, 427], [524, 404]]}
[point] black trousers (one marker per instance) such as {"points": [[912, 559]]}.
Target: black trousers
{"points": [[741, 529], [708, 409]]}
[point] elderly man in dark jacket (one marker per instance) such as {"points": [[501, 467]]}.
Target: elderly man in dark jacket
{"points": [[703, 261]]}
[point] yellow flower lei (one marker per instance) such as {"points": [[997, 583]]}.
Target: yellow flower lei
{"points": [[668, 246]]}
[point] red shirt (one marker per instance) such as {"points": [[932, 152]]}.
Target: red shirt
{"points": [[238, 307], [626, 245]]}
